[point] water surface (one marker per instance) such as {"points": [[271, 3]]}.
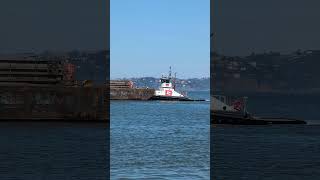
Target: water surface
{"points": [[49, 151], [273, 151], [160, 139]]}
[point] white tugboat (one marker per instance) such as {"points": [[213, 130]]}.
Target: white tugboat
{"points": [[167, 90]]}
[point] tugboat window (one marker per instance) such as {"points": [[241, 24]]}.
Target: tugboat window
{"points": [[165, 81]]}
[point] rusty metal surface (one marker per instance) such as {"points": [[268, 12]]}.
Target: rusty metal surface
{"points": [[42, 87], [123, 84], [31, 71], [131, 94], [65, 103]]}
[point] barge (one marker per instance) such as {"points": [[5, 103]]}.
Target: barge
{"points": [[124, 90], [36, 88]]}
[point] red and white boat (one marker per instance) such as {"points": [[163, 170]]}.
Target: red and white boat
{"points": [[167, 90]]}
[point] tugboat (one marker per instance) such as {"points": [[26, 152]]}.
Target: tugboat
{"points": [[224, 110], [236, 114], [167, 91]]}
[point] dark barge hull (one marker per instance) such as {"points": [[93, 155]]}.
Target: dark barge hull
{"points": [[171, 98], [235, 118], [130, 94], [54, 103]]}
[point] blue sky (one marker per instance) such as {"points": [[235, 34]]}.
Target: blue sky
{"points": [[148, 36]]}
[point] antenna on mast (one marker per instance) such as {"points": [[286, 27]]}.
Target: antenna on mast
{"points": [[170, 72], [174, 80]]}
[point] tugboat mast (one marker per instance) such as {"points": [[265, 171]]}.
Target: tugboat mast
{"points": [[174, 80]]}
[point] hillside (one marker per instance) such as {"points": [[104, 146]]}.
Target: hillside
{"points": [[268, 72], [192, 84]]}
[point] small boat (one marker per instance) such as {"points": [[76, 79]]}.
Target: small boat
{"points": [[167, 91]]}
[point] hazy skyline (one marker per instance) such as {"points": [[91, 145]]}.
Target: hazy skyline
{"points": [[149, 36], [242, 27]]}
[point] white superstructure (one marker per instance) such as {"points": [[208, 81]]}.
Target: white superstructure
{"points": [[167, 88]]}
